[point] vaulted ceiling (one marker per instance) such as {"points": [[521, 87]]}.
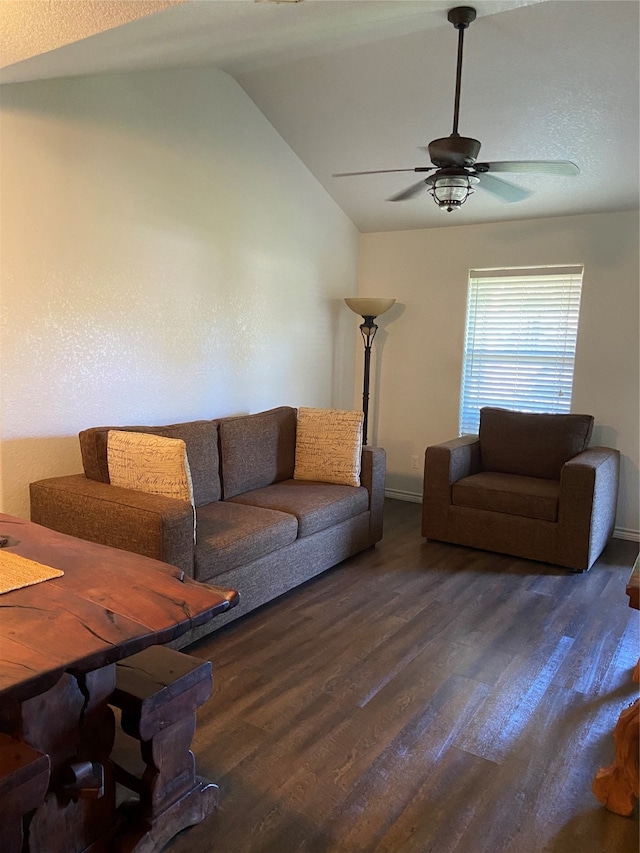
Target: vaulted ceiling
{"points": [[363, 84]]}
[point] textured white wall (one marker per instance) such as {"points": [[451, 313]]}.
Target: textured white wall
{"points": [[420, 362], [165, 257]]}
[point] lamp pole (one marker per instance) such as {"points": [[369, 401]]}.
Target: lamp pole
{"points": [[368, 308], [368, 330]]}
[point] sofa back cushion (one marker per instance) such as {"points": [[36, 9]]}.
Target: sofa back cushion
{"points": [[200, 438], [531, 444], [257, 450]]}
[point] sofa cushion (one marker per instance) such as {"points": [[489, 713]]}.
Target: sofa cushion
{"points": [[531, 444], [329, 446], [231, 535], [257, 450], [150, 463], [531, 497], [315, 505], [200, 437]]}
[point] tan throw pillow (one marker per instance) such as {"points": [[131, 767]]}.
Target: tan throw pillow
{"points": [[150, 463], [328, 446]]}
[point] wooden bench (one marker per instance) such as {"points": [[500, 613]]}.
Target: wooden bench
{"points": [[24, 779], [158, 691]]}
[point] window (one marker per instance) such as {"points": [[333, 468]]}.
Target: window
{"points": [[520, 341]]}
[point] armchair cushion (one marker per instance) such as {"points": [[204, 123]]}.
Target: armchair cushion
{"points": [[530, 497], [531, 444]]}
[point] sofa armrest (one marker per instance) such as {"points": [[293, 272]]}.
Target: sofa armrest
{"points": [[135, 521], [444, 464], [587, 504], [372, 477]]}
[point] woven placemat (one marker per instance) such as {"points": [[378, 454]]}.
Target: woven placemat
{"points": [[17, 571]]}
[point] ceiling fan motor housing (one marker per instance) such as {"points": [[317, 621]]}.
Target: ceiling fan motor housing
{"points": [[454, 150]]}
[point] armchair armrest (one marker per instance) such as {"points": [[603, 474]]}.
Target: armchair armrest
{"points": [[135, 521], [372, 477], [444, 464], [450, 461], [587, 504]]}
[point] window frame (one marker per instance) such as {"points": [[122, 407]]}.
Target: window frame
{"points": [[520, 346]]}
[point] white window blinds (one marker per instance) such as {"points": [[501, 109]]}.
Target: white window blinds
{"points": [[520, 341]]}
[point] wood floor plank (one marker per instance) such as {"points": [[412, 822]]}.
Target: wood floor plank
{"points": [[509, 708], [458, 783], [411, 694], [596, 644], [378, 796], [421, 698]]}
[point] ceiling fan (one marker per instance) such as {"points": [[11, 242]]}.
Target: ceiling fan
{"points": [[455, 170]]}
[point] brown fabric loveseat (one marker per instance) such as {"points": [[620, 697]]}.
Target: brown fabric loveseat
{"points": [[258, 530], [527, 485]]}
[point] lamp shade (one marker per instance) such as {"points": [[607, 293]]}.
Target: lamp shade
{"points": [[369, 306]]}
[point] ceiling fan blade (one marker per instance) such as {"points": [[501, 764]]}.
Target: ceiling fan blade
{"points": [[542, 167], [414, 189], [383, 171], [502, 189]]}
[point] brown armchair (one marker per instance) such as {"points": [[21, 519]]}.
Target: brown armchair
{"points": [[527, 485]]}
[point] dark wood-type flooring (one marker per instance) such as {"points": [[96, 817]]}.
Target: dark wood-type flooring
{"points": [[421, 698]]}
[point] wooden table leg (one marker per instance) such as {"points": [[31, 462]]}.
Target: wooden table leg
{"points": [[617, 786], [73, 724]]}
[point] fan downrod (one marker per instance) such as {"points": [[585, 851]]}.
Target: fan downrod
{"points": [[461, 17]]}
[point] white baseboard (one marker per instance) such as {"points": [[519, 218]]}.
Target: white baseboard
{"points": [[623, 533], [397, 495], [412, 497]]}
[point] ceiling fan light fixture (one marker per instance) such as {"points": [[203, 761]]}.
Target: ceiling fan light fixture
{"points": [[451, 191]]}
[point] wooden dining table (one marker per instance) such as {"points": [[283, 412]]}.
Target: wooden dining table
{"points": [[60, 641]]}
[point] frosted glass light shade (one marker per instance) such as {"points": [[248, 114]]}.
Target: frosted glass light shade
{"points": [[369, 306], [451, 191]]}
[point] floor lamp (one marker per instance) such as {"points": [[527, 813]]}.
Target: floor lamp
{"points": [[368, 309]]}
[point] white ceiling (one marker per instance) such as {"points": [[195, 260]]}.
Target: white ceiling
{"points": [[31, 27], [362, 84]]}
